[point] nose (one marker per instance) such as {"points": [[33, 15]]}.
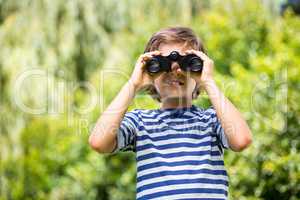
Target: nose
{"points": [[176, 68]]}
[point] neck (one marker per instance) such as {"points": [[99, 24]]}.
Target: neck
{"points": [[175, 103]]}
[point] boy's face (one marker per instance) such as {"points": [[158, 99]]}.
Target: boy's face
{"points": [[167, 83]]}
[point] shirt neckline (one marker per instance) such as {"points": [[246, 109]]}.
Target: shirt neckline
{"points": [[192, 107]]}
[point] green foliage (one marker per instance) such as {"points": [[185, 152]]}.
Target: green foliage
{"points": [[46, 155]]}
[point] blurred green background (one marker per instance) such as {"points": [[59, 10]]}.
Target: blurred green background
{"points": [[62, 62]]}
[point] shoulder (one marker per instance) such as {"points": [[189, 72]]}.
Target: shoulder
{"points": [[134, 113], [207, 112], [210, 111], [139, 114], [207, 115], [142, 112]]}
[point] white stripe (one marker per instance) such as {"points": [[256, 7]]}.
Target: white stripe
{"points": [[182, 167], [191, 114], [176, 140], [131, 118], [193, 195], [180, 158], [181, 186], [155, 114], [178, 149], [180, 177]]}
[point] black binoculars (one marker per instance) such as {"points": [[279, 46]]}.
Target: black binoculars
{"points": [[190, 62]]}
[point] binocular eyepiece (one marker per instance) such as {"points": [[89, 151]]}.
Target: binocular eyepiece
{"points": [[159, 63]]}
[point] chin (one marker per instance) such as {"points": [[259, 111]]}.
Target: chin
{"points": [[170, 96]]}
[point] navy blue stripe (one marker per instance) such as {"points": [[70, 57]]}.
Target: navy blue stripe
{"points": [[176, 145], [180, 163], [180, 172], [172, 136], [178, 154], [158, 129], [183, 191], [167, 115], [203, 114], [182, 181]]}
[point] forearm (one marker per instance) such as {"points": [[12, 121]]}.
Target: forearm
{"points": [[235, 127], [103, 136]]}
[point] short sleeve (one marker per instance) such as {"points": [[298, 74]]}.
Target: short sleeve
{"points": [[127, 131], [218, 129]]}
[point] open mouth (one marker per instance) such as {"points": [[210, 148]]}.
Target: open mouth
{"points": [[175, 82]]}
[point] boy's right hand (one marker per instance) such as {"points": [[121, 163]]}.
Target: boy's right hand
{"points": [[140, 78]]}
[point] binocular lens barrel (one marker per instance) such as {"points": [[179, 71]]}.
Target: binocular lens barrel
{"points": [[153, 66], [189, 62]]}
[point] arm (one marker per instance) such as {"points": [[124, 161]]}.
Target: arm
{"points": [[104, 135], [235, 127]]}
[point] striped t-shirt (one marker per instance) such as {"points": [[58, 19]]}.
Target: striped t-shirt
{"points": [[179, 153]]}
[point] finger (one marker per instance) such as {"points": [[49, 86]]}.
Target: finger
{"points": [[189, 51], [203, 55], [149, 55], [144, 58], [200, 54], [184, 53], [156, 52]]}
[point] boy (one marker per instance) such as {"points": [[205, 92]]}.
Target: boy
{"points": [[179, 147]]}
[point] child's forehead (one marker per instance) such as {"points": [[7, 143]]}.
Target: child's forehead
{"points": [[167, 48]]}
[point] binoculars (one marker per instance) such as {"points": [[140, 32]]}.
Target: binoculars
{"points": [[190, 62]]}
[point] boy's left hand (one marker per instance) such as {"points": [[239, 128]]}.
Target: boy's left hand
{"points": [[207, 72]]}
